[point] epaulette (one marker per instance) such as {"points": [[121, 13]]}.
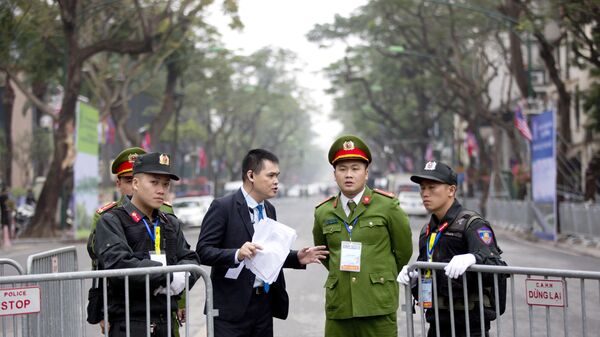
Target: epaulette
{"points": [[106, 207], [324, 201], [382, 192], [167, 203]]}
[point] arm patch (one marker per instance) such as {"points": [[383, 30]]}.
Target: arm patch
{"points": [[386, 193], [324, 201], [106, 207]]}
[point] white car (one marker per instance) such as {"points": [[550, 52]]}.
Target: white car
{"points": [[410, 200], [191, 210]]}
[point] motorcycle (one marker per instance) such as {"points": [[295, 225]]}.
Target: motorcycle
{"points": [[22, 217]]}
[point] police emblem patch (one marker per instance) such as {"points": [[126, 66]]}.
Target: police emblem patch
{"points": [[430, 166], [485, 235], [132, 157], [348, 145], [163, 159]]}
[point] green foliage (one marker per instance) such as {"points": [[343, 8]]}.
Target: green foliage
{"points": [[592, 103]]}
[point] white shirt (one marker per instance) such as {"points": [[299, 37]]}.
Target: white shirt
{"points": [[345, 200], [252, 204]]}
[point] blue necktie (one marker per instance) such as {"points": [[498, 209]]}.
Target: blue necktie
{"points": [[259, 208]]}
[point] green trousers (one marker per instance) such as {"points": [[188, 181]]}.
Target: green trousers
{"points": [[373, 326]]}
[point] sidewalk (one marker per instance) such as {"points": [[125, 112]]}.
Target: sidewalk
{"points": [[577, 245]]}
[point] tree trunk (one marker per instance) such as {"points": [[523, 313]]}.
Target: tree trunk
{"points": [[44, 222], [168, 106], [8, 102], [516, 54]]}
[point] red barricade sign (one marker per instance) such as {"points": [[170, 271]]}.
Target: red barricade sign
{"points": [[18, 301], [549, 293]]}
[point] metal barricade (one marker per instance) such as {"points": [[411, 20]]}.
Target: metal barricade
{"points": [[80, 277], [57, 308], [539, 302], [10, 324], [10, 262]]}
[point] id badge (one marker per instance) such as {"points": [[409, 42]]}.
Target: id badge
{"points": [[162, 258], [350, 259], [426, 292]]}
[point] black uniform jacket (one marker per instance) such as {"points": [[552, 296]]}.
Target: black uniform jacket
{"points": [[225, 228], [455, 241], [123, 241]]}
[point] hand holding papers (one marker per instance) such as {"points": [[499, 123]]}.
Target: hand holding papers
{"points": [[276, 240]]}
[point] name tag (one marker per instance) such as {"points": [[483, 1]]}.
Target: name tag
{"points": [[162, 258], [350, 259], [426, 292]]}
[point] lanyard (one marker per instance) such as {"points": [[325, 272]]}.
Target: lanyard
{"points": [[349, 227], [432, 241], [154, 235]]}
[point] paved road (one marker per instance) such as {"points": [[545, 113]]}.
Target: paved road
{"points": [[306, 291]]}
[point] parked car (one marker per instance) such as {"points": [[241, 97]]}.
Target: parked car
{"points": [[191, 210], [410, 200]]}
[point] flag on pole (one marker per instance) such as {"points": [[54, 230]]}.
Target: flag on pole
{"points": [[146, 142], [521, 123]]}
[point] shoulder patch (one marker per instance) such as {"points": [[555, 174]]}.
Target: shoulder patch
{"points": [[106, 207], [386, 193], [324, 201]]}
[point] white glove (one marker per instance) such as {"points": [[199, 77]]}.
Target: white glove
{"points": [[160, 290], [404, 277], [459, 264], [178, 283]]}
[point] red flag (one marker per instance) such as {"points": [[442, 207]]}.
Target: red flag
{"points": [[521, 123], [201, 158], [471, 144], [146, 142]]}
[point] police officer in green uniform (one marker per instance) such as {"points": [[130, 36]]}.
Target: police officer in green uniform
{"points": [[122, 167], [369, 239]]}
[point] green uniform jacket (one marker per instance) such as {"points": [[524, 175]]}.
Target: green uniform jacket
{"points": [[383, 230]]}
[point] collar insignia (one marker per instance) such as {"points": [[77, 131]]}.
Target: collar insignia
{"points": [[135, 216], [366, 200]]}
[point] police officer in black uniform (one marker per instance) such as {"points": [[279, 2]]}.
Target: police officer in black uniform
{"points": [[458, 237], [138, 235]]}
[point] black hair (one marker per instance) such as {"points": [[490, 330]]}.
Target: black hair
{"points": [[253, 161]]}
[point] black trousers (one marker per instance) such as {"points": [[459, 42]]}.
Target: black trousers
{"points": [[257, 322], [460, 328]]}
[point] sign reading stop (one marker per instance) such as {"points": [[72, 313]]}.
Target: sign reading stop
{"points": [[18, 301]]}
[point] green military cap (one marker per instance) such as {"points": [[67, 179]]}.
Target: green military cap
{"points": [[124, 161], [349, 147]]}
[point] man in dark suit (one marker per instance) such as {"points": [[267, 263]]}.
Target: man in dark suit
{"points": [[246, 304]]}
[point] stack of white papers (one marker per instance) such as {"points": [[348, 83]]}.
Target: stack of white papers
{"points": [[276, 240]]}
